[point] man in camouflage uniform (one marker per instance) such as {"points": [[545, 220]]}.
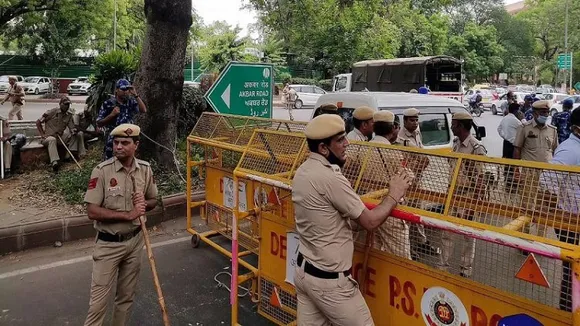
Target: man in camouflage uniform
{"points": [[115, 204], [561, 120], [117, 110]]}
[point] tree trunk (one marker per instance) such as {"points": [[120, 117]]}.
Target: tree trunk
{"points": [[159, 79]]}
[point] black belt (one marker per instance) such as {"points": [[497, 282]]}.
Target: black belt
{"points": [[312, 270], [118, 237]]}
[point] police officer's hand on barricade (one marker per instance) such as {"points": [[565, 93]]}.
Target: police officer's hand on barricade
{"points": [[399, 185]]}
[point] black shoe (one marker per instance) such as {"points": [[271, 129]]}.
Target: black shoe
{"points": [[55, 166], [428, 249], [7, 174], [462, 274]]}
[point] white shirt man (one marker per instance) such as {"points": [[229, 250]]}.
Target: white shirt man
{"points": [[508, 127]]}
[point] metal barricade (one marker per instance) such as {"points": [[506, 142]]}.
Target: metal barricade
{"points": [[214, 148], [470, 206]]}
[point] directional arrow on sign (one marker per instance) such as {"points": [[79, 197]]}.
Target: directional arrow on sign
{"points": [[243, 89]]}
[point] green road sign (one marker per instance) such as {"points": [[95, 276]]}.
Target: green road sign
{"points": [[243, 89], [564, 61], [577, 86]]}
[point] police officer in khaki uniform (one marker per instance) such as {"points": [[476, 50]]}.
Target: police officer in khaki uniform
{"points": [[116, 206], [56, 121], [324, 202], [470, 185], [393, 235], [535, 141], [410, 136], [362, 119], [15, 95]]}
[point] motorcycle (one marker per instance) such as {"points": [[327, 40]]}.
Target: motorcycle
{"points": [[476, 108]]}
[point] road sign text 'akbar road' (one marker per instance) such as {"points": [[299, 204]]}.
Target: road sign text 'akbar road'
{"points": [[243, 89]]}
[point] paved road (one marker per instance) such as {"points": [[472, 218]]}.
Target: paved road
{"points": [[493, 142], [36, 294], [33, 111]]}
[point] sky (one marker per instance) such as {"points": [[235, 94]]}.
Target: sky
{"points": [[231, 12]]}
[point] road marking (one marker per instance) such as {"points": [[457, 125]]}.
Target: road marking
{"points": [[79, 260]]}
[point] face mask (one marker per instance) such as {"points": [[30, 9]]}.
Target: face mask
{"points": [[541, 120], [333, 159]]}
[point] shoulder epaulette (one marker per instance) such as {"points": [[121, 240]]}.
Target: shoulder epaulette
{"points": [[105, 163], [143, 162]]}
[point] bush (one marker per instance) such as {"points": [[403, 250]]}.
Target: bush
{"points": [[303, 81], [284, 77], [109, 67], [325, 84], [190, 108]]}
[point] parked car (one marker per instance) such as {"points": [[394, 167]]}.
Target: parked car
{"points": [[80, 85], [37, 85], [557, 107], [307, 95], [4, 85], [496, 104], [555, 98], [487, 96]]}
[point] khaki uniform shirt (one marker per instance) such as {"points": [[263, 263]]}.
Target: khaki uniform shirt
{"points": [[56, 121], [470, 170], [324, 201], [381, 140], [411, 139], [537, 142], [111, 187], [356, 135], [18, 99]]}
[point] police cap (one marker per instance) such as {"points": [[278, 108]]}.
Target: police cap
{"points": [[363, 113], [541, 105], [411, 112], [126, 130], [461, 116], [324, 126], [384, 116], [329, 107]]}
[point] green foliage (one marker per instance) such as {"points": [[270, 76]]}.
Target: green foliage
{"points": [[303, 81], [191, 107], [110, 67], [284, 77], [222, 45], [325, 84]]}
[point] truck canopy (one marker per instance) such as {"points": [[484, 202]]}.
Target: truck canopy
{"points": [[439, 73]]}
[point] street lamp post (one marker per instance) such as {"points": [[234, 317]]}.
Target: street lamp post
{"points": [[115, 27]]}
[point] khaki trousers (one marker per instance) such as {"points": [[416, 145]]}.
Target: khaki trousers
{"points": [[120, 261], [393, 237], [529, 189], [448, 240], [15, 111], [325, 302], [75, 143], [7, 154]]}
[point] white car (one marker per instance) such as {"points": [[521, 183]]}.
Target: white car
{"points": [[4, 85], [80, 85], [557, 107], [307, 95], [36, 85], [496, 104]]}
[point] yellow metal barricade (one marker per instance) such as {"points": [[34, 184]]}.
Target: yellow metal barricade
{"points": [[214, 149], [494, 210]]}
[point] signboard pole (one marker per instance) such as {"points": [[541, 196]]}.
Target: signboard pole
{"points": [[571, 70]]}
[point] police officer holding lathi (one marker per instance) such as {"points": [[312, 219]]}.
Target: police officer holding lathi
{"points": [[115, 207], [324, 202]]}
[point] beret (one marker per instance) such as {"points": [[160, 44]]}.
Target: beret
{"points": [[126, 130], [363, 113], [328, 107], [411, 112], [384, 116], [541, 105], [461, 116], [324, 126]]}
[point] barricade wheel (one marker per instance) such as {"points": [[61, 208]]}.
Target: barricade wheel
{"points": [[195, 241]]}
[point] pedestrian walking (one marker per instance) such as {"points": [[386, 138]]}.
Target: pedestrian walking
{"points": [[115, 207], [508, 129], [120, 109], [15, 95], [324, 203]]}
